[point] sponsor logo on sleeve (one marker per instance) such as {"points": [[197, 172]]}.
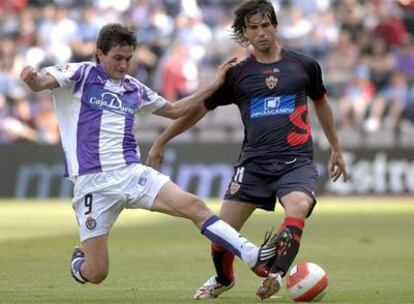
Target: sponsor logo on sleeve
{"points": [[62, 67]]}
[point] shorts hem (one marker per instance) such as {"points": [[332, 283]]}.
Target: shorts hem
{"points": [[260, 206], [303, 190], [162, 184], [93, 235]]}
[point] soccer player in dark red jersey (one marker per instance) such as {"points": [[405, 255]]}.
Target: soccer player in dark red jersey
{"points": [[271, 88]]}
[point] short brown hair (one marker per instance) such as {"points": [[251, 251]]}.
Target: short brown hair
{"points": [[113, 35]]}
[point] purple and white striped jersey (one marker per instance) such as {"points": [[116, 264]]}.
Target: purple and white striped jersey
{"points": [[96, 116]]}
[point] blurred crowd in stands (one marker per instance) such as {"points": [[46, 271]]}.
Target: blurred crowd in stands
{"points": [[365, 47]]}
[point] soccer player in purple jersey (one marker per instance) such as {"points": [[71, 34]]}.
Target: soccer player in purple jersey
{"points": [[270, 87], [95, 103]]}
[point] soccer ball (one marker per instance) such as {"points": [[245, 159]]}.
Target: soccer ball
{"points": [[306, 282]]}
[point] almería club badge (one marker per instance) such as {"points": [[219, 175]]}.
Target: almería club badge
{"points": [[271, 82]]}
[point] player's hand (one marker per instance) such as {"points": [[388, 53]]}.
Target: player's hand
{"points": [[222, 70], [337, 167], [28, 75], [155, 156]]}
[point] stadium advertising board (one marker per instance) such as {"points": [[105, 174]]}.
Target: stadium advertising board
{"points": [[33, 171]]}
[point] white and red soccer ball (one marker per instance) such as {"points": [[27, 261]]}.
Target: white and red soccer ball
{"points": [[306, 282]]}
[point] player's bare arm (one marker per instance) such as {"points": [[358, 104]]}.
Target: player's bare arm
{"points": [[185, 105], [37, 82], [337, 167], [156, 153]]}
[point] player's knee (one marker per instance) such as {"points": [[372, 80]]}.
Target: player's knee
{"points": [[299, 209], [304, 207], [197, 210], [97, 277], [197, 205]]}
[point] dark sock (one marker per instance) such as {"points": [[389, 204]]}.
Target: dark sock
{"points": [[283, 262], [223, 262]]}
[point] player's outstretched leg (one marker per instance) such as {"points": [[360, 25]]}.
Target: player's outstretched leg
{"points": [[255, 257], [78, 257], [174, 201]]}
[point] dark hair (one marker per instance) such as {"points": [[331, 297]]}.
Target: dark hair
{"points": [[113, 35], [247, 9]]}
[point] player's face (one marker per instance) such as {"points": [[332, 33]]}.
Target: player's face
{"points": [[260, 32], [116, 62]]}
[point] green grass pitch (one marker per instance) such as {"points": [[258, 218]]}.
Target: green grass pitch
{"points": [[365, 245]]}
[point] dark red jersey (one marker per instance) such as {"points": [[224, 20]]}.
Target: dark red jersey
{"points": [[272, 99]]}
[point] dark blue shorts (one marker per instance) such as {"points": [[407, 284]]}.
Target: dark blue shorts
{"points": [[261, 184]]}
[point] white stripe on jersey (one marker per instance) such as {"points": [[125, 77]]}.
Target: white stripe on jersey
{"points": [[110, 140]]}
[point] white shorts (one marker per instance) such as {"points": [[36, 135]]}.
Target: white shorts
{"points": [[100, 197]]}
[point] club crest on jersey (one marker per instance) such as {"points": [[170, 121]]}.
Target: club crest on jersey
{"points": [[234, 187], [90, 223], [271, 82]]}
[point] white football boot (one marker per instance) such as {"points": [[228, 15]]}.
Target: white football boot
{"points": [[211, 289]]}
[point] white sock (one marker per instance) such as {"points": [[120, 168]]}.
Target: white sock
{"points": [[223, 234]]}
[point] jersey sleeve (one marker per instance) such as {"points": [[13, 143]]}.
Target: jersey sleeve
{"points": [[66, 74], [225, 94], [316, 88], [150, 100]]}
